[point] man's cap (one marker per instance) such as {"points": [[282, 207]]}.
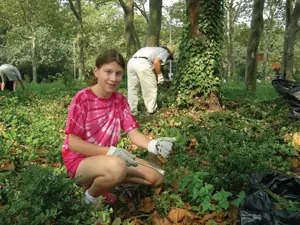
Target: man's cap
{"points": [[171, 48]]}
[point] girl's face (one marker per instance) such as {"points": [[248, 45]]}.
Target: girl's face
{"points": [[109, 77]]}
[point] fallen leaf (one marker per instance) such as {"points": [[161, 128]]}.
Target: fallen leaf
{"points": [[296, 139], [207, 217], [147, 205], [177, 215], [157, 220], [295, 163], [7, 166], [131, 206]]}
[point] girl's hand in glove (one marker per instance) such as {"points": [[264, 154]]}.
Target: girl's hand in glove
{"points": [[123, 154], [162, 146]]}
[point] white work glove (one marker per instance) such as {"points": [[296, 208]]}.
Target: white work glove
{"points": [[123, 154], [162, 146], [160, 78]]}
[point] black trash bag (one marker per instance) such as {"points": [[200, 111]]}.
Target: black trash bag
{"points": [[257, 207], [290, 90]]}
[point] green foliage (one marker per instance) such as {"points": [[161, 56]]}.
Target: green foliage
{"points": [[285, 204], [167, 201], [41, 195], [214, 153], [199, 57]]}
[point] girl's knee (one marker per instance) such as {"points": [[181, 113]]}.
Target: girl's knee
{"points": [[117, 170]]}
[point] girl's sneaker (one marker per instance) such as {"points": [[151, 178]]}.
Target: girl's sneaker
{"points": [[109, 198]]}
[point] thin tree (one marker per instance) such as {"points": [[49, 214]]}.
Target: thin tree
{"points": [[232, 10], [252, 45], [291, 29], [132, 40], [77, 11]]}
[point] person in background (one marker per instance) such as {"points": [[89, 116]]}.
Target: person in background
{"points": [[144, 70], [10, 73], [95, 118]]}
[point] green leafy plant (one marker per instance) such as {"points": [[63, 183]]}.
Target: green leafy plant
{"points": [[42, 195]]}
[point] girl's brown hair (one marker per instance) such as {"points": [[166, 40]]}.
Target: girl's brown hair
{"points": [[108, 56]]}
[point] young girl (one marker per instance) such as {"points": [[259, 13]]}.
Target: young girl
{"points": [[96, 116]]}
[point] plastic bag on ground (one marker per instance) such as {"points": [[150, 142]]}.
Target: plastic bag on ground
{"points": [[290, 91], [258, 206]]}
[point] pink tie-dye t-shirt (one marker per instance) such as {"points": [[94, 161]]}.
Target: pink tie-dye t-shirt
{"points": [[97, 121]]}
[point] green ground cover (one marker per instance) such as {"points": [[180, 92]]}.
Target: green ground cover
{"points": [[206, 176]]}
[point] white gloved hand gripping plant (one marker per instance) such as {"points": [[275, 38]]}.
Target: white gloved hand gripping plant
{"points": [[162, 146], [160, 78], [123, 154]]}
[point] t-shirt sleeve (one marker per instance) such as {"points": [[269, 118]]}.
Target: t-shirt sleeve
{"points": [[163, 56], [76, 118], [18, 74], [128, 121]]}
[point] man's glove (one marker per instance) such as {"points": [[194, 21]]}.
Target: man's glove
{"points": [[160, 78], [162, 146], [123, 154]]}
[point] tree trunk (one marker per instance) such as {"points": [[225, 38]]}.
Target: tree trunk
{"points": [[132, 42], [75, 59], [230, 51], [291, 29], [33, 57], [198, 80], [154, 24], [81, 75], [252, 45], [78, 15], [271, 5]]}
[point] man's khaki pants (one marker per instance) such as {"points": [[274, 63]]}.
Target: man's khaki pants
{"points": [[140, 74]]}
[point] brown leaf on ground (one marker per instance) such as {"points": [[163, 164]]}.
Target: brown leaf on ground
{"points": [[295, 163], [207, 217], [7, 166], [203, 162], [2, 127], [187, 206], [135, 221], [158, 220], [147, 205], [296, 139], [177, 215], [131, 206]]}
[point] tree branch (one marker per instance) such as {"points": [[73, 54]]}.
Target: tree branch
{"points": [[78, 17], [123, 5], [142, 11]]}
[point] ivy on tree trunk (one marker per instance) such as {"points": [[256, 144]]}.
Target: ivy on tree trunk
{"points": [[198, 83]]}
